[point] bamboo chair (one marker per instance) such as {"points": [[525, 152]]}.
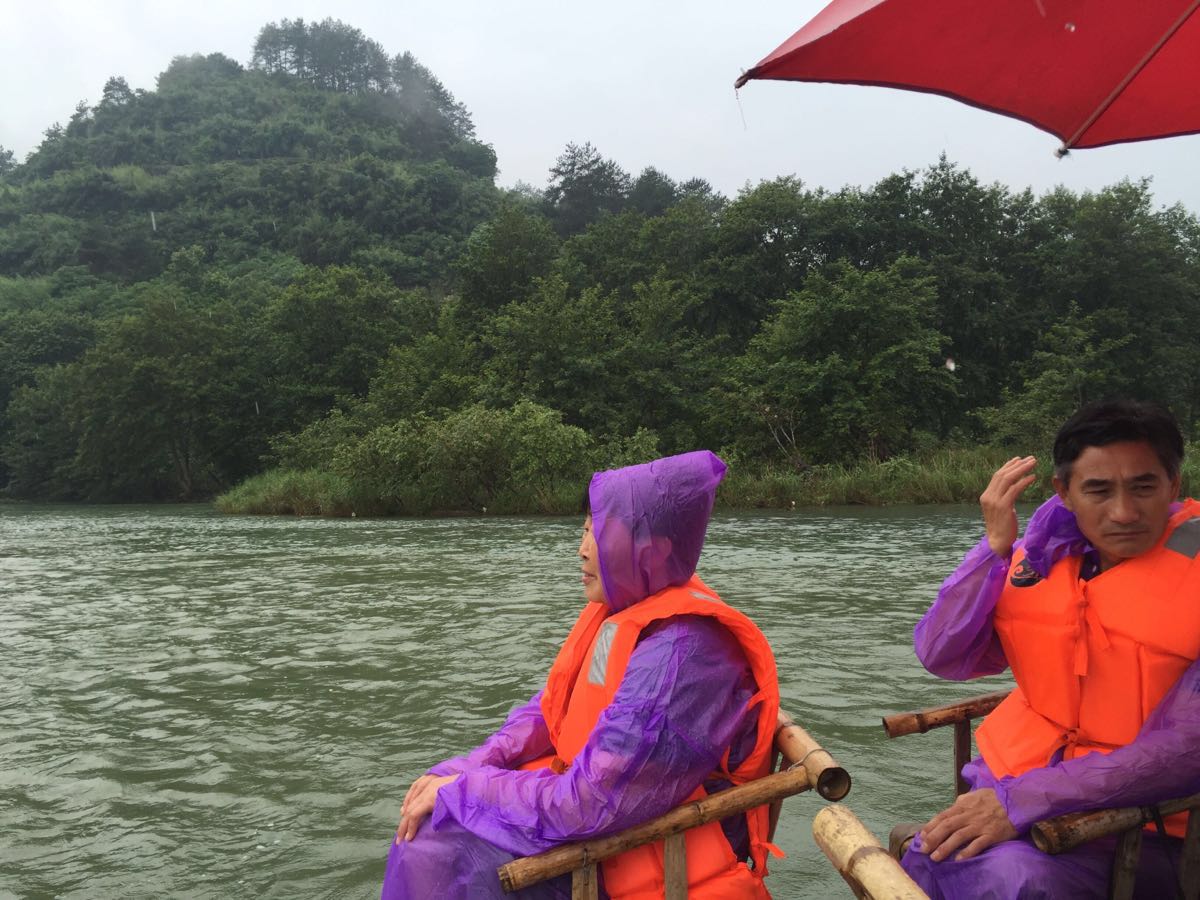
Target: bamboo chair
{"points": [[1061, 833], [804, 765]]}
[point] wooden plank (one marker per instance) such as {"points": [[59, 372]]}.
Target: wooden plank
{"points": [[935, 717], [585, 883], [675, 867], [1125, 864]]}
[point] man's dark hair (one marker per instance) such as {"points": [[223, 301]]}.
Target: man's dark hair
{"points": [[1110, 421]]}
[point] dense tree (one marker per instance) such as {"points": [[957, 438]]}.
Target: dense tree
{"points": [[503, 258], [330, 55], [424, 94], [653, 192], [583, 187], [324, 337], [150, 412], [850, 364], [1071, 366], [765, 250]]}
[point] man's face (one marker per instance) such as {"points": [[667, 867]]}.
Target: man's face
{"points": [[589, 565], [1121, 496]]}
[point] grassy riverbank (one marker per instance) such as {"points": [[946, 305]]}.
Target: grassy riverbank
{"points": [[950, 475], [942, 476], [310, 492]]}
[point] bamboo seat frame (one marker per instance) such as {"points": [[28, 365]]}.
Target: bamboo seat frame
{"points": [[1062, 833], [804, 765]]}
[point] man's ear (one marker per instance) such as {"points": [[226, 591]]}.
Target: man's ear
{"points": [[1061, 489], [1176, 483]]}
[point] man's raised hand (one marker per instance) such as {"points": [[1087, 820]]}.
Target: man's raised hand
{"points": [[999, 502]]}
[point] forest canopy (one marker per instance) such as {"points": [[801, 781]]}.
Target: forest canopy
{"points": [[304, 265]]}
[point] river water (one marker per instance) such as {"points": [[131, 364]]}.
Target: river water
{"points": [[195, 705]]}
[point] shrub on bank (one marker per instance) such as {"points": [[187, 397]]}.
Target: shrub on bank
{"points": [[952, 475], [291, 492], [522, 459], [517, 460]]}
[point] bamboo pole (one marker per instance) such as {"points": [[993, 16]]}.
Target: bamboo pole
{"points": [[826, 777], [521, 873], [585, 883], [962, 754], [935, 717], [1064, 833], [675, 879], [1189, 862], [1125, 865], [859, 858]]}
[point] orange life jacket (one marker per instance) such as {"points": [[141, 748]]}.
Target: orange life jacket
{"points": [[1093, 658], [585, 676]]}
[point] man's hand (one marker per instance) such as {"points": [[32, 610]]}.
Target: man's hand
{"points": [[975, 822], [418, 803], [999, 502]]}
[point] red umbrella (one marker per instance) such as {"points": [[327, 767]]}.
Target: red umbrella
{"points": [[1092, 72]]}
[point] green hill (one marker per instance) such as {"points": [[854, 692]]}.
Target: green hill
{"points": [[377, 167]]}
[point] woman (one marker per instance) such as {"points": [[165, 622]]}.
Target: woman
{"points": [[661, 692]]}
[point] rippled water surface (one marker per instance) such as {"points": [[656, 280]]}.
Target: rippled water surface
{"points": [[194, 705]]}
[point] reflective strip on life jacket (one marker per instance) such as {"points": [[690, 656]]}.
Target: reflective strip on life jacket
{"points": [[600, 651]]}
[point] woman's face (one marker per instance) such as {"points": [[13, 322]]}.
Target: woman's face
{"points": [[589, 560]]}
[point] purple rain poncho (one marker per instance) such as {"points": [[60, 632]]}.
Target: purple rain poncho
{"points": [[682, 702], [955, 640]]}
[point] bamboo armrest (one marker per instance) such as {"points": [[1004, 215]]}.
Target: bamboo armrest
{"points": [[870, 870], [1063, 833], [797, 748], [935, 717], [808, 767]]}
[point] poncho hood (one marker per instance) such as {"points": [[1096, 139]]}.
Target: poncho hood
{"points": [[649, 522]]}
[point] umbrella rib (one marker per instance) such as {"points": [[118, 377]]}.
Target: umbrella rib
{"points": [[1124, 83]]}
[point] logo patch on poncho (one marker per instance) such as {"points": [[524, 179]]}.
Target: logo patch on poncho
{"points": [[1024, 575]]}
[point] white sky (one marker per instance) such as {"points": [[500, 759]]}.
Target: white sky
{"points": [[648, 84]]}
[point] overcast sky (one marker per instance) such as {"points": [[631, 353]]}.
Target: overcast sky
{"points": [[648, 84]]}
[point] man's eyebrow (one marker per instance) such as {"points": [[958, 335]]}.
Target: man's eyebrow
{"points": [[1095, 483]]}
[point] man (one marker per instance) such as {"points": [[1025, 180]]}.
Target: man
{"points": [[661, 692], [1097, 612]]}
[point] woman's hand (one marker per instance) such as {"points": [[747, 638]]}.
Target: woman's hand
{"points": [[418, 803], [999, 502]]}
